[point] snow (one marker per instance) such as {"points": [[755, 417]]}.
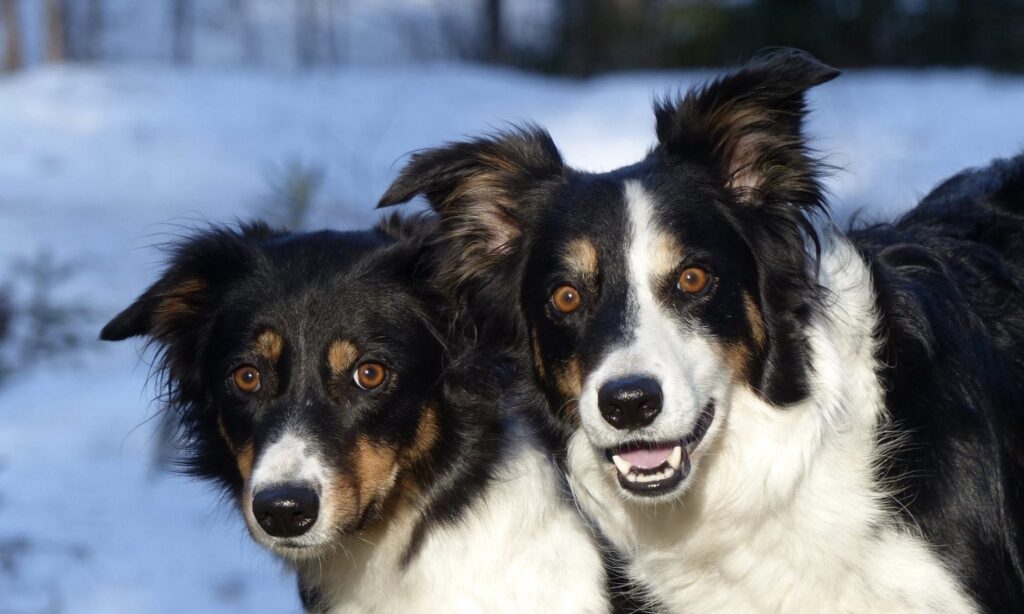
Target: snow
{"points": [[98, 165]]}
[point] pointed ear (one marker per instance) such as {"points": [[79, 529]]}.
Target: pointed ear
{"points": [[482, 191], [166, 305], [200, 269], [749, 125]]}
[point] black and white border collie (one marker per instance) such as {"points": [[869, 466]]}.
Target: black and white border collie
{"points": [[763, 413], [308, 375]]}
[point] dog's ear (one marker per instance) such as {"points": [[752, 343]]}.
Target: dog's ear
{"points": [[200, 269], [748, 125], [481, 189]]}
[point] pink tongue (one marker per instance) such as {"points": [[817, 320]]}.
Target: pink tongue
{"points": [[647, 459]]}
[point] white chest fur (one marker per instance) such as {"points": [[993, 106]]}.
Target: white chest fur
{"points": [[785, 514], [521, 547]]}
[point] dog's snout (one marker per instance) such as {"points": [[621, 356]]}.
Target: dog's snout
{"points": [[286, 511], [630, 402]]}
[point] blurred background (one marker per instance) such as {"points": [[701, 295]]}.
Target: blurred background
{"points": [[125, 124]]}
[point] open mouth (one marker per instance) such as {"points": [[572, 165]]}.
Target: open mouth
{"points": [[656, 468]]}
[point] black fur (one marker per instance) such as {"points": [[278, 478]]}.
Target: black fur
{"points": [[730, 159], [733, 180], [950, 282], [223, 286]]}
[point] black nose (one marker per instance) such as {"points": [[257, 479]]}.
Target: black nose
{"points": [[286, 511], [630, 402]]}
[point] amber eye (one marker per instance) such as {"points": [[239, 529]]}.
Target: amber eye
{"points": [[369, 375], [246, 379], [693, 279], [566, 299]]}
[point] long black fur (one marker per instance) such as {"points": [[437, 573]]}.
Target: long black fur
{"points": [[216, 287], [737, 179], [950, 282]]}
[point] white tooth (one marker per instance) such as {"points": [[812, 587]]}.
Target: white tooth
{"points": [[632, 477], [676, 458], [622, 464], [669, 472]]}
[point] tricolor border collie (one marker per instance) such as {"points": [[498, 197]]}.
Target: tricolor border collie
{"points": [[763, 413], [308, 374]]}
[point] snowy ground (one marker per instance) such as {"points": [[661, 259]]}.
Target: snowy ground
{"points": [[98, 165]]}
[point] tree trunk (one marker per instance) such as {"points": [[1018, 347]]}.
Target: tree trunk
{"points": [[12, 35], [332, 46], [495, 45], [92, 49], [56, 31], [252, 49], [181, 31], [307, 42]]}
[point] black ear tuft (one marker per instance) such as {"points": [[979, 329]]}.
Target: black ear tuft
{"points": [[482, 190], [748, 125], [132, 322], [200, 269], [446, 173]]}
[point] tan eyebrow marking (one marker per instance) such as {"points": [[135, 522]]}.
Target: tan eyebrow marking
{"points": [[342, 355], [581, 257], [666, 254], [269, 344]]}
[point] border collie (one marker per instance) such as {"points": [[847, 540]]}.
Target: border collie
{"points": [[762, 412], [306, 374]]}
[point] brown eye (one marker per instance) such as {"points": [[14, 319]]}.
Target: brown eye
{"points": [[246, 379], [693, 279], [369, 375], [566, 299]]}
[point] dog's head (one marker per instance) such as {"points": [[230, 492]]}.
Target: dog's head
{"points": [[645, 294], [303, 372]]}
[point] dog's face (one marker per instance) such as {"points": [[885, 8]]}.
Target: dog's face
{"points": [[305, 371], [644, 295]]}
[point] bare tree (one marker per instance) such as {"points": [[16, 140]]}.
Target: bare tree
{"points": [[56, 31], [494, 47], [92, 35], [306, 33], [252, 48], [332, 45], [12, 35], [182, 19]]}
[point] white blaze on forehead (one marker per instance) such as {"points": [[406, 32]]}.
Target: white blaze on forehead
{"points": [[288, 460], [677, 354]]}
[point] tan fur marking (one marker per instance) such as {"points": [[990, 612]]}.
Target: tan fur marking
{"points": [[538, 357], [243, 454], [581, 257], [344, 495], [738, 356], [569, 383], [427, 432], [174, 304], [269, 344], [756, 320], [374, 468], [666, 253], [341, 357]]}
